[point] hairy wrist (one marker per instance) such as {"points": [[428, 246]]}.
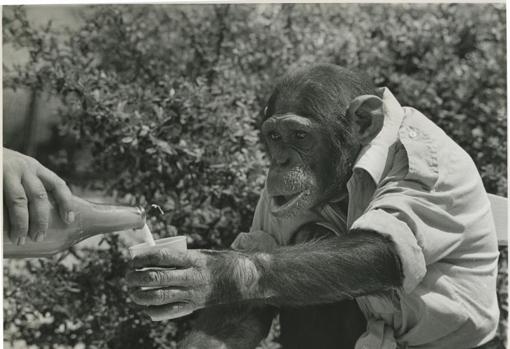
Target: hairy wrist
{"points": [[263, 263], [248, 271], [247, 276], [235, 277]]}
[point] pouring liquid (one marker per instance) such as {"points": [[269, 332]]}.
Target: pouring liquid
{"points": [[147, 235]]}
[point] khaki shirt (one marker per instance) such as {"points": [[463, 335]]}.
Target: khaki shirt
{"points": [[413, 184]]}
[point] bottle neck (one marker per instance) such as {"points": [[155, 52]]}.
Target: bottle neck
{"points": [[97, 219]]}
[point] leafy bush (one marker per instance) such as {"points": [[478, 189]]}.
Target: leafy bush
{"points": [[166, 99]]}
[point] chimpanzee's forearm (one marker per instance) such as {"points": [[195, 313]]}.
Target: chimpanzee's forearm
{"points": [[233, 326], [328, 270]]}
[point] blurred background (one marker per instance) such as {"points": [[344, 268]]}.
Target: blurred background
{"points": [[159, 104]]}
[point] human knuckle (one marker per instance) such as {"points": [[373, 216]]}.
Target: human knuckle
{"points": [[38, 195], [30, 161], [18, 200], [60, 183], [25, 165], [31, 164]]}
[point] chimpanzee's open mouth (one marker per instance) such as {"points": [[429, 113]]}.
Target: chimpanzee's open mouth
{"points": [[281, 202]]}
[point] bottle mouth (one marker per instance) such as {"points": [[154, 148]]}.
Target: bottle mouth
{"points": [[143, 214], [152, 211]]}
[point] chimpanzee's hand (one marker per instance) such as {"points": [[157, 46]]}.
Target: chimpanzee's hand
{"points": [[191, 280]]}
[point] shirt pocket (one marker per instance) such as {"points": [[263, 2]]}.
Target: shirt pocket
{"points": [[421, 150]]}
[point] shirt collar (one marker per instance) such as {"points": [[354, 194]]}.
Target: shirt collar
{"points": [[372, 157]]}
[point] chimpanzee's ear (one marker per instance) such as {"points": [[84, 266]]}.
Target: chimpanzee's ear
{"points": [[367, 115]]}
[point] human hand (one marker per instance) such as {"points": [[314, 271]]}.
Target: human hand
{"points": [[191, 280], [28, 186]]}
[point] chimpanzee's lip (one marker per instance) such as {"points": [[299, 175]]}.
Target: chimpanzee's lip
{"points": [[282, 202]]}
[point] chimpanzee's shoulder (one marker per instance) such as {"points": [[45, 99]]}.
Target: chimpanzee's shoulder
{"points": [[432, 155]]}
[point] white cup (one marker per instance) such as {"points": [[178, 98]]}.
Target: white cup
{"points": [[177, 243]]}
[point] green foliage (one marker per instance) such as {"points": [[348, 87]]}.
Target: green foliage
{"points": [[166, 99]]}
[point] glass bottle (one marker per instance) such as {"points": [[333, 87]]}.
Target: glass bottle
{"points": [[90, 219]]}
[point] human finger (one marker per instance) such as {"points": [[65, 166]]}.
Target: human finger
{"points": [[38, 206], [17, 209], [59, 190]]}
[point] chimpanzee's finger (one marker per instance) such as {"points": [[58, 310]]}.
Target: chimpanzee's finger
{"points": [[154, 278], [38, 206], [59, 190], [159, 296], [17, 208], [167, 311], [162, 258]]}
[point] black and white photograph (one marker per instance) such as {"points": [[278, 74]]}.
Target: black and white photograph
{"points": [[225, 175]]}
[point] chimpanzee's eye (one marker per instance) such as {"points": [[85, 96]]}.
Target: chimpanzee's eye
{"points": [[274, 136], [300, 134]]}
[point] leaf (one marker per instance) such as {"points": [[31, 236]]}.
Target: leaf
{"points": [[163, 145]]}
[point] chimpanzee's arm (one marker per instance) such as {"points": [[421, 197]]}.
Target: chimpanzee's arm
{"points": [[328, 270], [325, 270], [236, 326], [322, 271]]}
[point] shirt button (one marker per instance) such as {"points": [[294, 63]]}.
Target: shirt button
{"points": [[412, 134]]}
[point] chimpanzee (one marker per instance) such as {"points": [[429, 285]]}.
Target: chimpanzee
{"points": [[373, 231]]}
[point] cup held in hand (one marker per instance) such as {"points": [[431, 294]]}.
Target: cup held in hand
{"points": [[177, 243]]}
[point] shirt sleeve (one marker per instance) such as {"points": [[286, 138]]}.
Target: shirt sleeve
{"points": [[415, 217], [254, 241], [260, 237], [406, 244]]}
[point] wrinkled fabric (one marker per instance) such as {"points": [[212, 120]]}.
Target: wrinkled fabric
{"points": [[414, 185]]}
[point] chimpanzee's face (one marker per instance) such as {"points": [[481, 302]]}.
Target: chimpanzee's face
{"points": [[303, 163]]}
